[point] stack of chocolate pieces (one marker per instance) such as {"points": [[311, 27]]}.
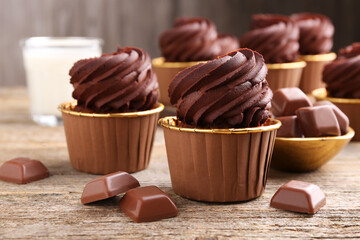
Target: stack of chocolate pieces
{"points": [[301, 118], [141, 204]]}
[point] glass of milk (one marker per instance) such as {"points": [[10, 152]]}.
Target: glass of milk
{"points": [[47, 62]]}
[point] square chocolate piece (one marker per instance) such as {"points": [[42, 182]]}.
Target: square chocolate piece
{"points": [[146, 204], [287, 100], [23, 170], [341, 117], [318, 121], [289, 127], [108, 186], [298, 196]]}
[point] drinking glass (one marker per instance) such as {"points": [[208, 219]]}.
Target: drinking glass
{"points": [[47, 61]]}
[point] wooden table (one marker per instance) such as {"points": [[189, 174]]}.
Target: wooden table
{"points": [[51, 208]]}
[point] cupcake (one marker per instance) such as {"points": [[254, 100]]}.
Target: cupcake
{"points": [[220, 143], [276, 38], [188, 42], [342, 79], [112, 124], [316, 41]]}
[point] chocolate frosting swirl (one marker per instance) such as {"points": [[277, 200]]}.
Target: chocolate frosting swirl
{"points": [[316, 33], [274, 36], [342, 76], [349, 51], [119, 82], [227, 43], [191, 39], [230, 91], [194, 39]]}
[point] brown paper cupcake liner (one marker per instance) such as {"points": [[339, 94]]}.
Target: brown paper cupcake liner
{"points": [[284, 75], [219, 165], [165, 72], [312, 74], [105, 143], [351, 108]]}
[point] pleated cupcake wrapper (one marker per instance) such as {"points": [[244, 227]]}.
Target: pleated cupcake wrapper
{"points": [[221, 166], [165, 72], [108, 143], [351, 108], [284, 75], [312, 74]]}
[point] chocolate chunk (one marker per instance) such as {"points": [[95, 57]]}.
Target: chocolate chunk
{"points": [[341, 117], [298, 196], [286, 100], [108, 186], [318, 121], [146, 204], [289, 127], [23, 170]]}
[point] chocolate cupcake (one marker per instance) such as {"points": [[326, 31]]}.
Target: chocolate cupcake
{"points": [[188, 42], [112, 124], [276, 38], [342, 79], [316, 41], [219, 146]]}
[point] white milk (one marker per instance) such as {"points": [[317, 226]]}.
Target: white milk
{"points": [[47, 63]]}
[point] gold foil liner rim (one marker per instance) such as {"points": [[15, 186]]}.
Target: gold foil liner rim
{"points": [[350, 134], [160, 62], [291, 65], [321, 94], [171, 123], [66, 106], [319, 57]]}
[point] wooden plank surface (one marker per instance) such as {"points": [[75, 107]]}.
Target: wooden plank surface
{"points": [[51, 208], [140, 22]]}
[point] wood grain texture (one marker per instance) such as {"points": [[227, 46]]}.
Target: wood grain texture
{"points": [[140, 22], [51, 208]]}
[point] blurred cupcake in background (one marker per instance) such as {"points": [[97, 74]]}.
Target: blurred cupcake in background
{"points": [[111, 126], [316, 42], [276, 37], [342, 79], [188, 42], [228, 43], [220, 143]]}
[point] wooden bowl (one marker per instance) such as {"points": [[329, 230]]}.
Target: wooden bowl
{"points": [[307, 154]]}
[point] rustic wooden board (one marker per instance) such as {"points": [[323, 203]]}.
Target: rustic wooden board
{"points": [[51, 208]]}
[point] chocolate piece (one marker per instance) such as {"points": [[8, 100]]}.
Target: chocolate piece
{"points": [[287, 100], [23, 170], [289, 127], [108, 186], [341, 117], [318, 121], [146, 204], [298, 196]]}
